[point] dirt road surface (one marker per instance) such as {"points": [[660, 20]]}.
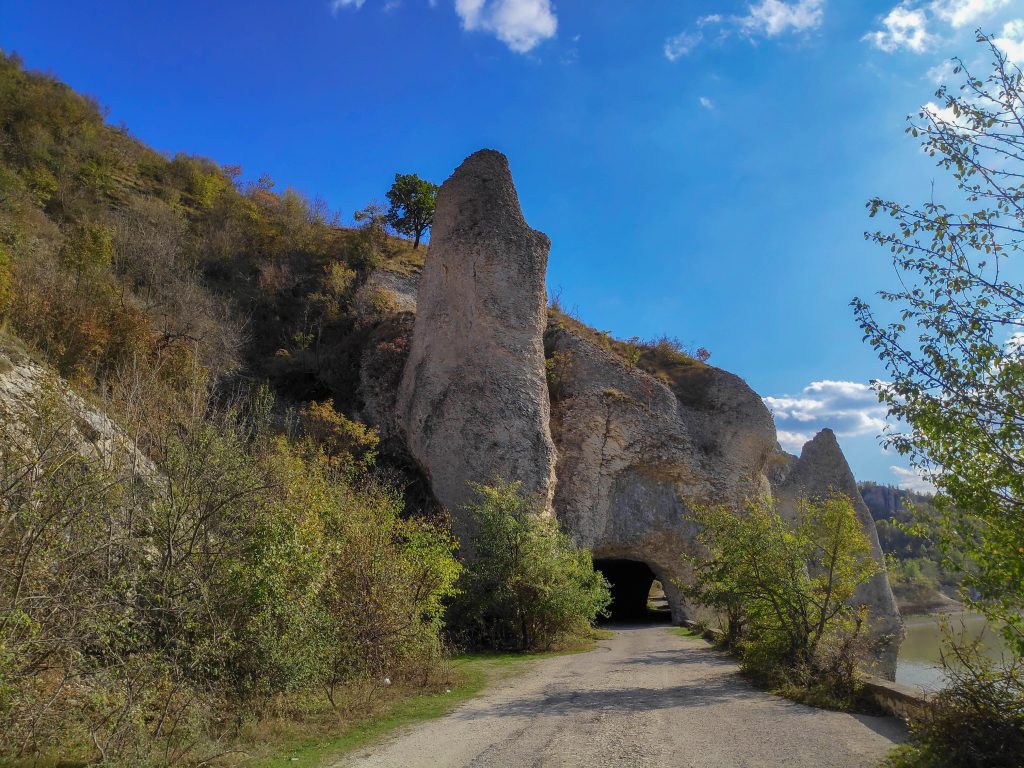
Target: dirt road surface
{"points": [[645, 697]]}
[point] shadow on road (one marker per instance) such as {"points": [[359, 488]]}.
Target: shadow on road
{"points": [[619, 700], [704, 656]]}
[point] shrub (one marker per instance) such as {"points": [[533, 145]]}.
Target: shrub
{"points": [[137, 600], [6, 288], [977, 721], [345, 443], [558, 369], [787, 590], [526, 584]]}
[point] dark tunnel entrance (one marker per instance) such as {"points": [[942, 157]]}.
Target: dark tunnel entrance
{"points": [[633, 599]]}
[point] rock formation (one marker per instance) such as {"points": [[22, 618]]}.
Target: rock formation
{"points": [[822, 469], [635, 452], [26, 387], [885, 501], [473, 401], [634, 456]]}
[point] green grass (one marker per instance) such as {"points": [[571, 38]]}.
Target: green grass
{"points": [[472, 673], [690, 634], [911, 756], [323, 737]]}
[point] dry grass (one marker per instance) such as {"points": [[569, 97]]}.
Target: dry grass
{"points": [[666, 359]]}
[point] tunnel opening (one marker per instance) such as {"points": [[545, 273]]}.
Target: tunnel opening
{"points": [[637, 595]]}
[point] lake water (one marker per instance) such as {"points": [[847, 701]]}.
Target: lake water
{"points": [[920, 655]]}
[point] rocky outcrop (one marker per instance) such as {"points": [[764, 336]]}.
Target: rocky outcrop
{"points": [[635, 456], [28, 390], [473, 401], [820, 471], [636, 453], [886, 502], [386, 291]]}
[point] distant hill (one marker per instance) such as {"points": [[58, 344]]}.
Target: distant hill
{"points": [[887, 501], [919, 578]]}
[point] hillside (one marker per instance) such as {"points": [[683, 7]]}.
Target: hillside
{"points": [[920, 578], [234, 557], [196, 560], [113, 252]]}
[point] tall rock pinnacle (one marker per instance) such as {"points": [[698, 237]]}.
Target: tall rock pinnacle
{"points": [[473, 402]]}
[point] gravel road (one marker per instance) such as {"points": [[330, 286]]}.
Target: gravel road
{"points": [[645, 697]]}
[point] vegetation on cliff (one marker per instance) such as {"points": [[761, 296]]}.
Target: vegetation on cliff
{"points": [[112, 253], [666, 358]]}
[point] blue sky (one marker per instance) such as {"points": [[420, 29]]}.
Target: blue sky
{"points": [[701, 166]]}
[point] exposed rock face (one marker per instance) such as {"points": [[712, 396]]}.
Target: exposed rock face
{"points": [[821, 470], [24, 385], [473, 401], [634, 456], [396, 290], [885, 501], [635, 453]]}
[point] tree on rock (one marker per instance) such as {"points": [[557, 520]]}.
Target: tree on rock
{"points": [[412, 206]]}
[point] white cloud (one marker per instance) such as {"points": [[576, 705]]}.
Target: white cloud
{"points": [[766, 18], [910, 24], [773, 17], [946, 116], [681, 45], [904, 27], [337, 5], [520, 24], [706, 102], [911, 480], [941, 73], [959, 13], [849, 408], [1011, 41], [792, 441]]}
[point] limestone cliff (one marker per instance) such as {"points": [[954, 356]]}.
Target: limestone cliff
{"points": [[634, 456], [635, 452], [473, 400], [26, 385], [885, 501]]}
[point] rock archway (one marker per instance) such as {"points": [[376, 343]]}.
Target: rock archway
{"points": [[631, 582]]}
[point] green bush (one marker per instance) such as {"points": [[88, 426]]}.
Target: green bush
{"points": [[526, 585], [144, 607], [786, 590], [977, 720], [5, 282]]}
